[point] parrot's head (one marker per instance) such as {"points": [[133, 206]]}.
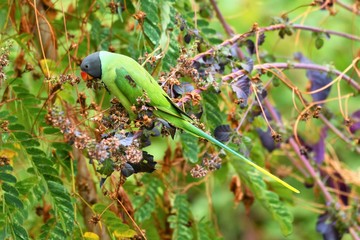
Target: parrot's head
{"points": [[91, 67]]}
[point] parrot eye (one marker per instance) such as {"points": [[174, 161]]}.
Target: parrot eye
{"points": [[92, 65]]}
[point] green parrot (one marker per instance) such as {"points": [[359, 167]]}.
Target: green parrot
{"points": [[128, 80]]}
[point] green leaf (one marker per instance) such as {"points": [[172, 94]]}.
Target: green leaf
{"points": [[205, 231], [63, 204], [172, 53], [19, 89], [10, 189], [22, 136], [51, 130], [28, 99], [25, 138], [52, 229], [276, 82], [107, 167], [13, 201], [150, 7], [165, 21], [212, 114], [319, 42], [53, 178], [129, 6], [61, 146], [152, 32], [47, 169], [30, 102], [6, 168], [2, 221], [11, 118], [6, 177], [99, 34], [58, 190], [3, 114], [37, 112], [35, 151], [215, 41], [202, 22], [20, 232], [16, 127], [259, 122], [25, 185], [113, 222], [151, 23], [62, 150], [180, 219], [208, 31], [4, 12], [30, 143], [39, 190], [5, 137], [145, 204], [42, 160], [190, 147]]}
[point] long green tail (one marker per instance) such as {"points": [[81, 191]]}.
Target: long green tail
{"points": [[199, 133]]}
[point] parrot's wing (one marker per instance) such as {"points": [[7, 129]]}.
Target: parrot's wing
{"points": [[180, 113], [136, 85]]}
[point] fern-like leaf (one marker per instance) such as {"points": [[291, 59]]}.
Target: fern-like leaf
{"points": [[145, 204], [181, 219], [190, 147], [212, 114]]}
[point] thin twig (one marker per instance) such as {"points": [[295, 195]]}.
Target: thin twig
{"points": [[303, 159], [311, 170], [341, 75], [131, 219], [337, 132]]}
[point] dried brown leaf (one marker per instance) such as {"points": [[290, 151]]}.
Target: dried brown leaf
{"points": [[236, 189]]}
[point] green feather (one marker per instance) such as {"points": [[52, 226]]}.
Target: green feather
{"points": [[127, 80]]}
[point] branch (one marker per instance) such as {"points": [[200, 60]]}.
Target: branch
{"points": [[354, 8], [226, 26], [354, 233], [330, 32], [240, 37], [307, 66]]}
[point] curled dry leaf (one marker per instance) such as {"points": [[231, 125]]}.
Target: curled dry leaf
{"points": [[236, 189], [248, 200]]}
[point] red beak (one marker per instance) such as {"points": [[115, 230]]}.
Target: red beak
{"points": [[86, 76]]}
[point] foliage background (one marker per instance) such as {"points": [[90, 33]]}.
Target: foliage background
{"points": [[49, 189]]}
